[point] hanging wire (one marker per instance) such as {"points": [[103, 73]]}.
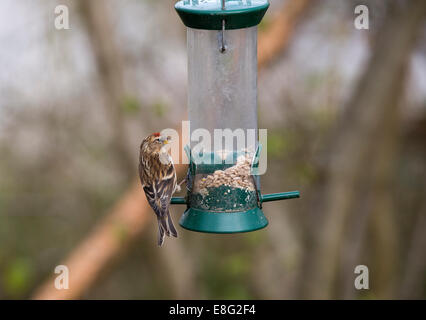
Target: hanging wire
{"points": [[223, 45]]}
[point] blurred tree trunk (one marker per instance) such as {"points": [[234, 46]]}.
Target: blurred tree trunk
{"points": [[383, 230], [107, 56], [354, 142], [414, 274], [413, 279], [379, 215]]}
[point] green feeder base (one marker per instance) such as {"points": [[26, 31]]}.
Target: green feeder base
{"points": [[229, 222], [223, 222]]}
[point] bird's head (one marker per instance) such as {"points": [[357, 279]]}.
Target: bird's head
{"points": [[154, 142]]}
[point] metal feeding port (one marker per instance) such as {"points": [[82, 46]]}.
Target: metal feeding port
{"points": [[223, 184]]}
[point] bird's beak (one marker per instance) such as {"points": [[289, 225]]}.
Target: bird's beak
{"points": [[165, 140]]}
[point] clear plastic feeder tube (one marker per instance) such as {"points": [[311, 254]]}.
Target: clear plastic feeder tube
{"points": [[222, 86], [222, 106]]}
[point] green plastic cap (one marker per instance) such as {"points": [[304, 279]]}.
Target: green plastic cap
{"points": [[208, 14]]}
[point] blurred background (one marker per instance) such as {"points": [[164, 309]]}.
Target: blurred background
{"points": [[345, 111]]}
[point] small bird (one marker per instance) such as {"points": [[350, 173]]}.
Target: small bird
{"points": [[158, 178]]}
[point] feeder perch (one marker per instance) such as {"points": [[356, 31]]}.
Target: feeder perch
{"points": [[223, 190]]}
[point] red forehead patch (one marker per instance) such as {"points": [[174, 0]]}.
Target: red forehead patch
{"points": [[157, 134]]}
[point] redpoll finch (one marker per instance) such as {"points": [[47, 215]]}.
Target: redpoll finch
{"points": [[158, 178]]}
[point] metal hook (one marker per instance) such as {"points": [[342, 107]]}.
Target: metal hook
{"points": [[223, 45]]}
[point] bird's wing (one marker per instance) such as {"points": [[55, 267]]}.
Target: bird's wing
{"points": [[151, 196], [160, 193], [165, 189]]}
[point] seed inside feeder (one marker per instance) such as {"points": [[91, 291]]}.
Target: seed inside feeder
{"points": [[237, 176]]}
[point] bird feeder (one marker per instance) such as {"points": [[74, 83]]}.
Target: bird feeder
{"points": [[223, 190]]}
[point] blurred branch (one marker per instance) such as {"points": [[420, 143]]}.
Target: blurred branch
{"points": [[279, 33], [132, 213], [355, 140], [120, 227]]}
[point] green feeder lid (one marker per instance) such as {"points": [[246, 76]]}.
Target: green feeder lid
{"points": [[208, 14]]}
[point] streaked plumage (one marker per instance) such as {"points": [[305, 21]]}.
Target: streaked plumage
{"points": [[158, 178]]}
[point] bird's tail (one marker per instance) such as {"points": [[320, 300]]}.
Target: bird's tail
{"points": [[165, 227], [171, 226], [160, 233]]}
